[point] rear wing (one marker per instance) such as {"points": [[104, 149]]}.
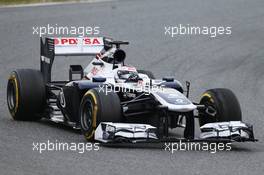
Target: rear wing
{"points": [[69, 46]]}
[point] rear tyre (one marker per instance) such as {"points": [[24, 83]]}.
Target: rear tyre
{"points": [[26, 94], [221, 105], [97, 107], [148, 73]]}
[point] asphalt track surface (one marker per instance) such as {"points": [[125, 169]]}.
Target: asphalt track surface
{"points": [[235, 61]]}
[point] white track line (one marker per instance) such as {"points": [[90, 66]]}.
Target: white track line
{"points": [[52, 3]]}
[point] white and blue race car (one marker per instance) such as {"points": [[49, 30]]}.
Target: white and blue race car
{"points": [[115, 102]]}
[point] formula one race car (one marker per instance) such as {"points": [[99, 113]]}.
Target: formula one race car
{"points": [[114, 102]]}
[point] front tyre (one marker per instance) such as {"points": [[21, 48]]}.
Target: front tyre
{"points": [[96, 107], [26, 94], [220, 105]]}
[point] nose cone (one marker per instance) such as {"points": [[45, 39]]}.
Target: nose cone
{"points": [[174, 100]]}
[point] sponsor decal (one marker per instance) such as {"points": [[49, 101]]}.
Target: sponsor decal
{"points": [[94, 71], [68, 41]]}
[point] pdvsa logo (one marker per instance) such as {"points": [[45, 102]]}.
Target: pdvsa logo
{"points": [[78, 41]]}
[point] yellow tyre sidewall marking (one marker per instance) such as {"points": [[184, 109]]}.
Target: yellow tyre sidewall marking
{"points": [[209, 96], [13, 78], [94, 115]]}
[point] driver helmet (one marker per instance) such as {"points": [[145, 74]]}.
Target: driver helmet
{"points": [[125, 74]]}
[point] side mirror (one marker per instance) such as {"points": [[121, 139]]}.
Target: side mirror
{"points": [[75, 70], [99, 79], [98, 63], [168, 79]]}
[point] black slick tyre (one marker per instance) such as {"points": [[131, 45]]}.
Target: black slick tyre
{"points": [[221, 105], [26, 94], [97, 106]]}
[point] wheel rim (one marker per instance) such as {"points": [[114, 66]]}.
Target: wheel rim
{"points": [[11, 95], [86, 115], [206, 117]]}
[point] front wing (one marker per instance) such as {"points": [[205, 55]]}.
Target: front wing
{"points": [[108, 132]]}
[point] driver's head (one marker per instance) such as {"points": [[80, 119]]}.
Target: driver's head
{"points": [[126, 74]]}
